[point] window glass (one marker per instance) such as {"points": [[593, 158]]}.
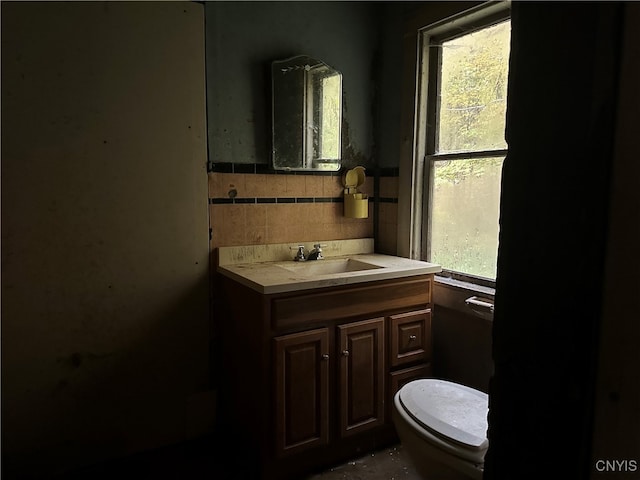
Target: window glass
{"points": [[473, 90], [464, 215]]}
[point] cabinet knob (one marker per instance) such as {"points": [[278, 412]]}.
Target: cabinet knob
{"points": [[412, 338], [325, 357], [345, 353]]}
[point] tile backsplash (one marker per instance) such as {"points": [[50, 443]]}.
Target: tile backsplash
{"points": [[257, 208], [250, 205]]}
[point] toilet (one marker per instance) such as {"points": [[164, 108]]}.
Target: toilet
{"points": [[443, 428]]}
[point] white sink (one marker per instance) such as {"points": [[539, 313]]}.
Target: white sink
{"points": [[270, 269], [328, 267]]}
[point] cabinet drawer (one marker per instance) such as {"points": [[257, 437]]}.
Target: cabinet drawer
{"points": [[351, 301], [410, 337]]}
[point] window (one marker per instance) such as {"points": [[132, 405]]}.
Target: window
{"points": [[464, 144]]}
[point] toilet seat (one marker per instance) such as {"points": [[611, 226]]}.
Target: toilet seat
{"points": [[452, 416]]}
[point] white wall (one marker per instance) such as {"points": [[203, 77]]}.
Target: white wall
{"points": [[104, 231]]}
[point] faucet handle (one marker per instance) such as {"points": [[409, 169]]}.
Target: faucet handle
{"points": [[300, 256], [316, 253]]}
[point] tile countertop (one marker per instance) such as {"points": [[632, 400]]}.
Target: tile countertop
{"points": [[270, 269]]}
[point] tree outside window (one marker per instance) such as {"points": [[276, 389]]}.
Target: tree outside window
{"points": [[467, 149]]}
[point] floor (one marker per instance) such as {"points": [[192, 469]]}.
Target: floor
{"points": [[388, 464], [204, 460]]}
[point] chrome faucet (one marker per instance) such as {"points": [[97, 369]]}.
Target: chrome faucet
{"points": [[300, 256], [316, 253]]}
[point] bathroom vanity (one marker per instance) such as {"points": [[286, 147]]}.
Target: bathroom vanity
{"points": [[315, 350]]}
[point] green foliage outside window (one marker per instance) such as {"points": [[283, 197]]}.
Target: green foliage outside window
{"points": [[471, 118], [473, 96]]}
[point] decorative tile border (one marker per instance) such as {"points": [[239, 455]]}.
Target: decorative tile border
{"points": [[385, 185], [262, 168], [229, 167], [232, 201]]}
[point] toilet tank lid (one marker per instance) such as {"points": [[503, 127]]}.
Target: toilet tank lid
{"points": [[452, 410]]}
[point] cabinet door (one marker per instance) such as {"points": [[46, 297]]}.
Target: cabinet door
{"points": [[399, 378], [410, 340], [302, 389], [361, 375]]}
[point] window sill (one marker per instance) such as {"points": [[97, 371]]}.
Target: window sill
{"points": [[472, 288], [452, 294]]}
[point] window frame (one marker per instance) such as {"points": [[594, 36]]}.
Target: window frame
{"points": [[428, 79]]}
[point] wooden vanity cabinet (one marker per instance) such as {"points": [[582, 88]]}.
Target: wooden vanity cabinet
{"points": [[302, 378], [323, 364]]}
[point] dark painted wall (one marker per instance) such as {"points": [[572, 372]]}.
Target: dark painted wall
{"points": [[461, 340], [105, 321], [399, 24], [243, 38], [388, 70]]}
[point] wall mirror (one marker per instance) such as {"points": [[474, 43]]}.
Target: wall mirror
{"points": [[306, 115]]}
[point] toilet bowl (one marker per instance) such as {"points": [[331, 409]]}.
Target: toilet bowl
{"points": [[443, 427]]}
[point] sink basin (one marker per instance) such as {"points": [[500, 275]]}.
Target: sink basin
{"points": [[328, 267]]}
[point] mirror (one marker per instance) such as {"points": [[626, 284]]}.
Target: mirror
{"points": [[306, 115]]}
